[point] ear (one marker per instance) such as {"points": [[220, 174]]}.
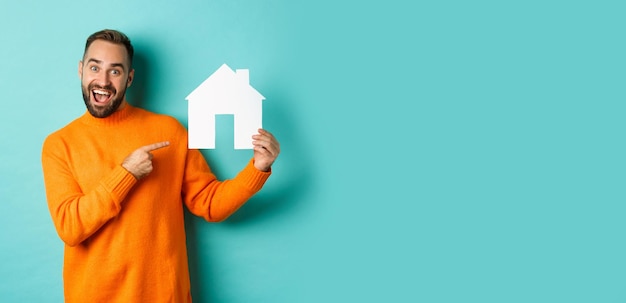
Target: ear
{"points": [[131, 76], [80, 69]]}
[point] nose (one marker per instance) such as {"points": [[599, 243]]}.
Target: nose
{"points": [[103, 79]]}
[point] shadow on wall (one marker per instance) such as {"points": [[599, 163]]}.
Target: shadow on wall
{"points": [[295, 176], [138, 94], [281, 199], [292, 179]]}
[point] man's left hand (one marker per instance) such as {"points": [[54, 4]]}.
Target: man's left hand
{"points": [[266, 149]]}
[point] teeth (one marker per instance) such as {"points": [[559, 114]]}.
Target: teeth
{"points": [[101, 92]]}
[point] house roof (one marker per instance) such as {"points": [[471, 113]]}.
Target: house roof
{"points": [[225, 81]]}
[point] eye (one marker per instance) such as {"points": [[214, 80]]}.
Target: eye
{"points": [[115, 72], [94, 68]]}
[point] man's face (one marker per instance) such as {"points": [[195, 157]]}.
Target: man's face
{"points": [[105, 74]]}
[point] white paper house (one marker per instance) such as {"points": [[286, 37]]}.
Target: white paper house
{"points": [[225, 92]]}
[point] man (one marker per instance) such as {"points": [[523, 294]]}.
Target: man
{"points": [[116, 180]]}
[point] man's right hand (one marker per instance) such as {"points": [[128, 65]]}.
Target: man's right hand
{"points": [[139, 162]]}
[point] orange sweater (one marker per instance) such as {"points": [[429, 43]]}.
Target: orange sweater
{"points": [[125, 239]]}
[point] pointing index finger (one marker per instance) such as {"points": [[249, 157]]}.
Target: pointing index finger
{"points": [[155, 146]]}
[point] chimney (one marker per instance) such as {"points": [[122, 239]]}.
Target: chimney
{"points": [[243, 76]]}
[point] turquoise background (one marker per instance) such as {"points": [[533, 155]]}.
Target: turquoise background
{"points": [[448, 151]]}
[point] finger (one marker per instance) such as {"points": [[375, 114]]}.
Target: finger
{"points": [[267, 138], [265, 133], [264, 146], [154, 146], [262, 151]]}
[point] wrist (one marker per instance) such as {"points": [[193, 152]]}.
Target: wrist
{"points": [[261, 167]]}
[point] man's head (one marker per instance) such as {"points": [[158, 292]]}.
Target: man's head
{"points": [[106, 71]]}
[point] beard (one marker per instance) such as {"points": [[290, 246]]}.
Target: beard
{"points": [[106, 110]]}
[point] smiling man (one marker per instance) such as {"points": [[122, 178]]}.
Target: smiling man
{"points": [[116, 181], [100, 83]]}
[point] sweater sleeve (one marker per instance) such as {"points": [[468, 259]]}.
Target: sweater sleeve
{"points": [[216, 200], [76, 214]]}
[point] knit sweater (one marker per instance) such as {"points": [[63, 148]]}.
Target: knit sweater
{"points": [[125, 238]]}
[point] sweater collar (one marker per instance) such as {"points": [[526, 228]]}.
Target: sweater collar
{"points": [[116, 118]]}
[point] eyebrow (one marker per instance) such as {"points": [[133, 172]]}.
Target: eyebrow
{"points": [[120, 65]]}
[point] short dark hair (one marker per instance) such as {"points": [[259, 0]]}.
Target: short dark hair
{"points": [[113, 36]]}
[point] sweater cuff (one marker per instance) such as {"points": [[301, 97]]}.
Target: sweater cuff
{"points": [[119, 183], [253, 178]]}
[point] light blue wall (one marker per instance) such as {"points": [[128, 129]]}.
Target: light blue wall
{"points": [[463, 151]]}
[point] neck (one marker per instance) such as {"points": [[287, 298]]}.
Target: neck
{"points": [[122, 105]]}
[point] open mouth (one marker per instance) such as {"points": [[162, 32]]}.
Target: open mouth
{"points": [[101, 96]]}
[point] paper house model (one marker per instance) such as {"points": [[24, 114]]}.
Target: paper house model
{"points": [[225, 92]]}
